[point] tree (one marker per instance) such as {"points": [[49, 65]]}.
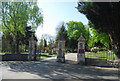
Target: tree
{"points": [[45, 43], [62, 33], [74, 30], [16, 16], [51, 44], [6, 43], [105, 17], [40, 46], [98, 37]]}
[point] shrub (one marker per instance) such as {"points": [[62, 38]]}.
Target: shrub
{"points": [[67, 51]]}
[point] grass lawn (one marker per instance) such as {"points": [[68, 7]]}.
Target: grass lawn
{"points": [[42, 55], [45, 55], [2, 53], [24, 52], [101, 55]]}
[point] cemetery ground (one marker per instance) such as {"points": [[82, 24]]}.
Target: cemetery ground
{"points": [[48, 68]]}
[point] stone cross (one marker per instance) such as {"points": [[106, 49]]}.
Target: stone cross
{"points": [[81, 50]]}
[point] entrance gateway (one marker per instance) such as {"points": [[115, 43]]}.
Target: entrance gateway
{"points": [[61, 48], [80, 51], [32, 48]]}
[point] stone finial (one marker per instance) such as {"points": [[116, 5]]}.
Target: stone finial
{"points": [[61, 38], [81, 38]]}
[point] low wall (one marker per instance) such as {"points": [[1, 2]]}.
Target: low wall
{"points": [[102, 62], [14, 57]]}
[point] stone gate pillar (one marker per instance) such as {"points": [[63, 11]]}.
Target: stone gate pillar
{"points": [[32, 49], [61, 48], [81, 50]]}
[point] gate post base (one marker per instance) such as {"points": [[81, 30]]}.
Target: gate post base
{"points": [[61, 60], [81, 63]]}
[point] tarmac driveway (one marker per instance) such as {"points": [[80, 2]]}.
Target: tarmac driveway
{"points": [[50, 69]]}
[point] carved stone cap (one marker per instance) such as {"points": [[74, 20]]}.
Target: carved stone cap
{"points": [[81, 38], [61, 38]]}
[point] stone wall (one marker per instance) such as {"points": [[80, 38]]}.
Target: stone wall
{"points": [[14, 57]]}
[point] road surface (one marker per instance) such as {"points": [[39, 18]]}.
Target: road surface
{"points": [[50, 69]]}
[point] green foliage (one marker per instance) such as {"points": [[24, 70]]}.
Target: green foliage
{"points": [[105, 17], [62, 34], [45, 55], [97, 36], [92, 36], [74, 30], [15, 17], [6, 45], [45, 43], [72, 43], [102, 15], [41, 44]]}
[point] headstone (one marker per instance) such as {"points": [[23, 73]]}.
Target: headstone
{"points": [[81, 50]]}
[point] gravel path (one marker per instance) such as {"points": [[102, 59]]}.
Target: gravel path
{"points": [[50, 69]]}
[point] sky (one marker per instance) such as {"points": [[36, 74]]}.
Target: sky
{"points": [[55, 12]]}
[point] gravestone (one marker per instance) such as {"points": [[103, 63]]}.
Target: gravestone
{"points": [[81, 50]]}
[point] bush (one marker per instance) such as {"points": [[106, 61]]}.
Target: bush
{"points": [[67, 51], [103, 49], [95, 49]]}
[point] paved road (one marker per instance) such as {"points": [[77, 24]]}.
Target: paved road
{"points": [[50, 69]]}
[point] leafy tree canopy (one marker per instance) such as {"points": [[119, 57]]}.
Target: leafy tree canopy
{"points": [[74, 29], [16, 16], [98, 37], [62, 33], [105, 16]]}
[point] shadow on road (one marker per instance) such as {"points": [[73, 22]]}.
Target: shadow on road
{"points": [[50, 69]]}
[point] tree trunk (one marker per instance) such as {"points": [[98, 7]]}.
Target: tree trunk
{"points": [[117, 50], [116, 44], [35, 52], [118, 53], [15, 47]]}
